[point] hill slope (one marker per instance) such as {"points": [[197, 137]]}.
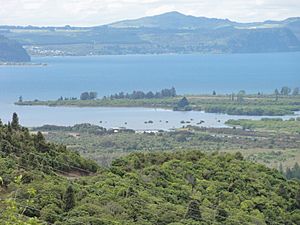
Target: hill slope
{"points": [[173, 20], [167, 33], [159, 188], [11, 51]]}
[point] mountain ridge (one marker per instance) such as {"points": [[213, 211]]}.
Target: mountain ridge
{"points": [[163, 15], [168, 33], [178, 15], [166, 20]]}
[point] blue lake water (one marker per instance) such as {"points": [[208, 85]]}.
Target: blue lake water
{"points": [[189, 74]]}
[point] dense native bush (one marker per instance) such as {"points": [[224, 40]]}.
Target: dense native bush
{"points": [[182, 187], [31, 151]]}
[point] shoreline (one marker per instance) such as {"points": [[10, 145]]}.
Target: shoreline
{"points": [[162, 54], [8, 64], [248, 105]]}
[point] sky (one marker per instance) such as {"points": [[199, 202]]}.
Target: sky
{"points": [[99, 12]]}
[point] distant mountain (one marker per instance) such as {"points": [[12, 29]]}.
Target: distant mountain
{"points": [[173, 20], [176, 20], [11, 51], [294, 25], [261, 40], [172, 32]]}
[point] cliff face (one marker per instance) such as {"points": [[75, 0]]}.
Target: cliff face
{"points": [[12, 51]]}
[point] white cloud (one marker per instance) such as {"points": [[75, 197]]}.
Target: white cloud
{"points": [[96, 12], [159, 10]]}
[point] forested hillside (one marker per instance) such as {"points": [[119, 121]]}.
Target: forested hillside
{"points": [[44, 183], [11, 51]]}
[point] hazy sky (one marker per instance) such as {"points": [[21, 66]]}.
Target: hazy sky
{"points": [[97, 12]]}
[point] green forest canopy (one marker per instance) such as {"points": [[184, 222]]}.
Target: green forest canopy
{"points": [[185, 187]]}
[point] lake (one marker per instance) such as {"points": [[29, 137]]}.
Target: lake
{"points": [[189, 74]]}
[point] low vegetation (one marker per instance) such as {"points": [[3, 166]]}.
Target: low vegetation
{"points": [[102, 145], [285, 102], [276, 125]]}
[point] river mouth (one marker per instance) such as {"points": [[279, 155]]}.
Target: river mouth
{"points": [[116, 117]]}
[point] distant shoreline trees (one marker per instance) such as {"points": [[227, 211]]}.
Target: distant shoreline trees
{"points": [[88, 95], [239, 97], [168, 93], [285, 91], [164, 93], [293, 172]]}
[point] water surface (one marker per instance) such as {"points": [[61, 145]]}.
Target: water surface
{"points": [[189, 74]]}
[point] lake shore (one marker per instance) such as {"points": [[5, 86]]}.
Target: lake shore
{"points": [[251, 105], [21, 64]]}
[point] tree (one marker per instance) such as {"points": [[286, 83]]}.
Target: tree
{"points": [[93, 95], [183, 103], [191, 180], [138, 95], [121, 95], [193, 211], [222, 214], [69, 198], [282, 191], [40, 137], [293, 172], [285, 91], [288, 173], [85, 96], [296, 171], [240, 95], [281, 168], [296, 91], [173, 92], [239, 156], [232, 97], [40, 143], [214, 93], [15, 122], [276, 94], [164, 93], [150, 95], [298, 199]]}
